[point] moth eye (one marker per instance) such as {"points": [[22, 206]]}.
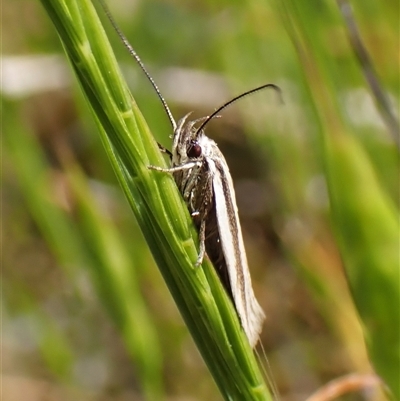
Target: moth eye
{"points": [[194, 149]]}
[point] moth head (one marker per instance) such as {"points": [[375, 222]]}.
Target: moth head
{"points": [[187, 140]]}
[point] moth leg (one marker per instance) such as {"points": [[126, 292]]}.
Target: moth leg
{"points": [[186, 166], [202, 206], [202, 245], [164, 150]]}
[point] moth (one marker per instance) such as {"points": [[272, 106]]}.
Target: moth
{"points": [[203, 178]]}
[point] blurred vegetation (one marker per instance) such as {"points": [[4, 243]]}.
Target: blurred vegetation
{"points": [[316, 182]]}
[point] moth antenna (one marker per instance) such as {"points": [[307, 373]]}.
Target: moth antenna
{"points": [[214, 114], [138, 60]]}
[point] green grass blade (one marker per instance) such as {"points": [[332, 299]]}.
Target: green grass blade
{"points": [[366, 223], [91, 243], [118, 286], [364, 218], [157, 204]]}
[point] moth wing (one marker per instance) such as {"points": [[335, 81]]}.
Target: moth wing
{"points": [[250, 312]]}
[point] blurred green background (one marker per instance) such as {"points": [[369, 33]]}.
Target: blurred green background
{"points": [[316, 181]]}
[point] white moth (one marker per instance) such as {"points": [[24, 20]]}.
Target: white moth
{"points": [[203, 178]]}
